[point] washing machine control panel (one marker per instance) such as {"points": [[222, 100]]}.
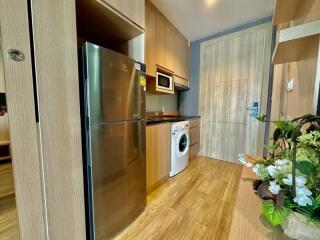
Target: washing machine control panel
{"points": [[180, 126]]}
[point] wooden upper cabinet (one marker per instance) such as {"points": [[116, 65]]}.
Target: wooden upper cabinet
{"points": [[163, 43], [166, 47], [134, 10], [181, 56], [151, 40]]}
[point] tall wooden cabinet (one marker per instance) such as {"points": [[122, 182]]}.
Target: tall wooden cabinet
{"points": [[133, 10], [151, 39], [166, 47]]}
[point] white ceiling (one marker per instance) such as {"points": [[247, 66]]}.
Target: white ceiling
{"points": [[197, 19]]}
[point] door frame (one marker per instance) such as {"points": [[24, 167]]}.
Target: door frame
{"points": [[26, 163], [265, 81], [46, 156]]}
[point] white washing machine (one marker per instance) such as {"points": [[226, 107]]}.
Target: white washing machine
{"points": [[179, 147]]}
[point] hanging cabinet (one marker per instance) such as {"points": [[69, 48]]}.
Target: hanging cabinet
{"points": [[166, 48]]}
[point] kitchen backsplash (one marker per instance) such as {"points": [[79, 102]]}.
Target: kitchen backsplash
{"points": [[165, 102]]}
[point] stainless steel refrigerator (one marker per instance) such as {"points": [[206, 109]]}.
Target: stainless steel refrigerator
{"points": [[112, 93]]}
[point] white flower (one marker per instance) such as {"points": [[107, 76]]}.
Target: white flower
{"points": [[243, 161], [288, 180], [273, 171], [300, 180], [256, 168], [302, 200], [282, 162], [303, 191], [274, 187], [302, 196]]}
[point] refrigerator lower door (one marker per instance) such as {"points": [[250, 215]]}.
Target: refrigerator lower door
{"points": [[118, 175]]}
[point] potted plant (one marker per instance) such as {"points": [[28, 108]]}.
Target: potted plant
{"points": [[289, 177]]}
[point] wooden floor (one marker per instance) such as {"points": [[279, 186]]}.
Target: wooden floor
{"points": [[196, 204], [8, 219]]}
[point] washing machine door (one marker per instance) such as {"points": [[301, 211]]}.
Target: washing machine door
{"points": [[183, 143]]}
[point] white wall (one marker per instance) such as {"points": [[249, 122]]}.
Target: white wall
{"points": [[166, 102]]}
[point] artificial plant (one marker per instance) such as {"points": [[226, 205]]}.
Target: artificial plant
{"points": [[289, 176]]}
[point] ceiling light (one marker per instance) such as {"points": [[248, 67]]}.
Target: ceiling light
{"points": [[210, 2]]}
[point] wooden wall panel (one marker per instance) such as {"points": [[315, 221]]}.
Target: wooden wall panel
{"points": [[300, 100], [22, 123], [55, 49], [234, 75]]}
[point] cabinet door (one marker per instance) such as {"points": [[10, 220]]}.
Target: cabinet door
{"points": [[162, 42], [185, 59], [183, 55], [134, 10], [151, 40], [158, 154]]}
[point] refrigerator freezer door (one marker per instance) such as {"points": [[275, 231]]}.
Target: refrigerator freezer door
{"points": [[118, 175], [114, 90]]}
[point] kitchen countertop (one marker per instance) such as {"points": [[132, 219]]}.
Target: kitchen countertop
{"points": [[166, 119]]}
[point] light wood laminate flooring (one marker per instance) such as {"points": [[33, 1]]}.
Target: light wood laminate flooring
{"points": [[196, 204], [9, 229]]}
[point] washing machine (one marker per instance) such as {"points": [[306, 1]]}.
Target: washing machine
{"points": [[179, 147]]}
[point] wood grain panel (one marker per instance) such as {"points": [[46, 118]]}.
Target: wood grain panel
{"points": [[194, 150], [194, 134], [180, 81], [196, 204], [151, 40], [22, 123], [162, 42], [9, 228], [158, 154], [134, 10], [234, 75], [6, 180], [248, 222], [303, 70], [194, 122], [55, 49]]}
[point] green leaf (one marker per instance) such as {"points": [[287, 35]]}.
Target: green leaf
{"points": [[305, 167], [317, 200], [281, 124], [262, 118], [277, 134], [275, 215]]}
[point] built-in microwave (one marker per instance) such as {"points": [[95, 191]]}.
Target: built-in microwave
{"points": [[164, 83]]}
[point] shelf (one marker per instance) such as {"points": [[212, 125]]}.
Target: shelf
{"points": [[285, 11], [5, 158], [297, 43], [4, 142], [99, 23]]}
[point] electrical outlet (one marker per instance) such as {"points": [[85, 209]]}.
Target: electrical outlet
{"points": [[290, 85]]}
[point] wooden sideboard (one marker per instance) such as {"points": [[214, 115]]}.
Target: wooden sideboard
{"points": [[248, 222]]}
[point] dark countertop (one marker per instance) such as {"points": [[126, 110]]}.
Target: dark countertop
{"points": [[165, 119]]}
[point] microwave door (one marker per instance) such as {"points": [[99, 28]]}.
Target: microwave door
{"points": [[164, 82]]}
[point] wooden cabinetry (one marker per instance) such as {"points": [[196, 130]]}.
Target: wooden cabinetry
{"points": [[158, 154], [166, 47], [151, 39], [110, 22], [131, 9], [194, 135]]}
